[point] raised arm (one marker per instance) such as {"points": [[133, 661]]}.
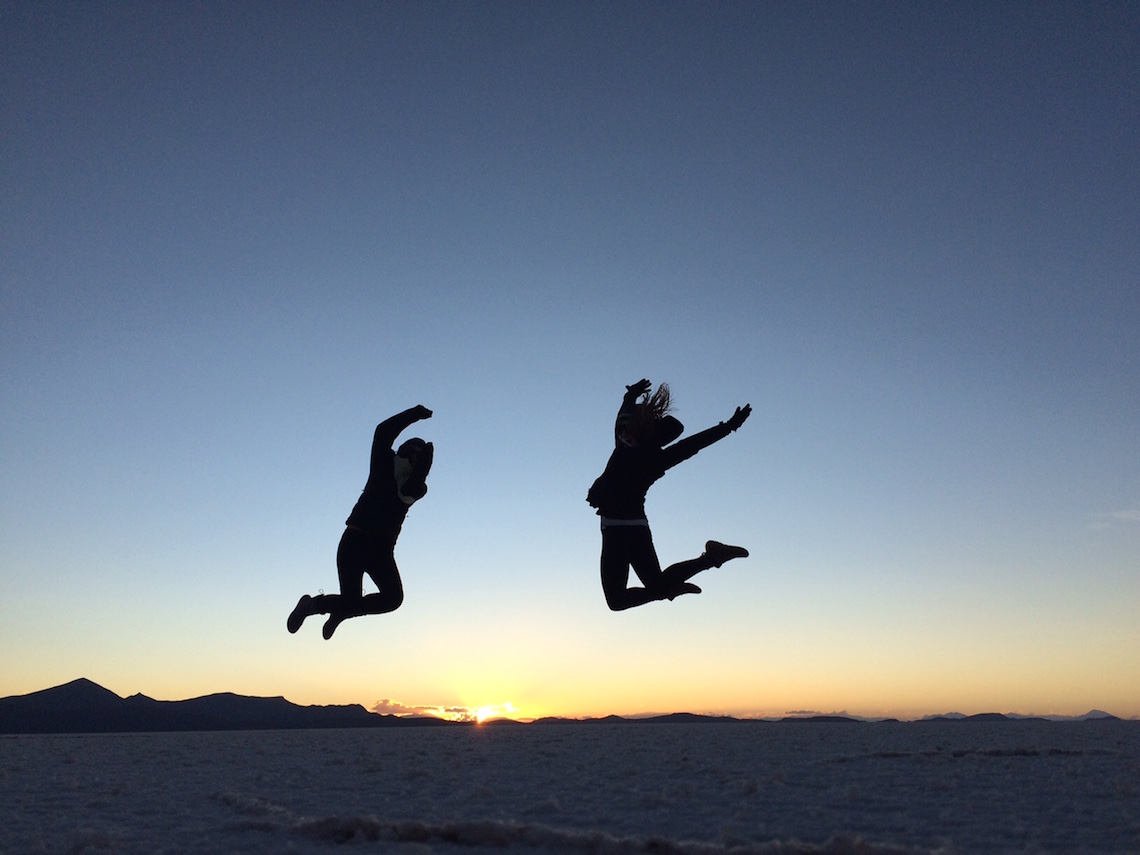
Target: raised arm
{"points": [[628, 402], [389, 429], [685, 448]]}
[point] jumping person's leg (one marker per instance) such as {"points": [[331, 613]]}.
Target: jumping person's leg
{"points": [[351, 561], [300, 611], [322, 604], [387, 578], [357, 554], [719, 553], [361, 553], [352, 557], [624, 547], [349, 567], [661, 584], [715, 554], [307, 606], [615, 564]]}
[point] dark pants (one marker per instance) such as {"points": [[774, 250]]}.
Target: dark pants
{"points": [[362, 552], [626, 546]]}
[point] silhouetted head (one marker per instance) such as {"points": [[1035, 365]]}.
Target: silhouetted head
{"points": [[666, 429], [650, 422], [411, 449]]}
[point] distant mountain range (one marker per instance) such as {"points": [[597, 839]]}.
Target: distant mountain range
{"points": [[82, 706], [85, 707], [1091, 715]]}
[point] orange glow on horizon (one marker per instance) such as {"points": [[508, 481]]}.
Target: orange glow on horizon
{"points": [[504, 710], [451, 713]]}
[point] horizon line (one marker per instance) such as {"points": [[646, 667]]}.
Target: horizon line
{"points": [[509, 713]]}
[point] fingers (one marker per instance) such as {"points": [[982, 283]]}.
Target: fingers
{"points": [[740, 416]]}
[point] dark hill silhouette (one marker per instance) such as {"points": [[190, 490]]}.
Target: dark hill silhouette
{"points": [[977, 717], [684, 717], [82, 706], [670, 718]]}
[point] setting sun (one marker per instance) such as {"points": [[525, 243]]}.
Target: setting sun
{"points": [[505, 710]]}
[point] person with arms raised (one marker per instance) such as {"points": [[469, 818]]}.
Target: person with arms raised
{"points": [[396, 479], [642, 453]]}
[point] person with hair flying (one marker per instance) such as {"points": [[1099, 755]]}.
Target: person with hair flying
{"points": [[396, 479], [642, 453]]}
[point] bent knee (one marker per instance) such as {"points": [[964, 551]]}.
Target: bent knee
{"points": [[391, 599], [619, 602]]}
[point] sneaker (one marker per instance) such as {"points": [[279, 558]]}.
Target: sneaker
{"points": [[331, 624], [299, 613], [718, 553], [683, 588]]}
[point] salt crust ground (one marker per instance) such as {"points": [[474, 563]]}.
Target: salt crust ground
{"points": [[1012, 787]]}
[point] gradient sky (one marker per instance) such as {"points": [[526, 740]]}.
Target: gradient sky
{"points": [[235, 236]]}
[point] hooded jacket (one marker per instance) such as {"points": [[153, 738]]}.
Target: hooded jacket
{"points": [[388, 494]]}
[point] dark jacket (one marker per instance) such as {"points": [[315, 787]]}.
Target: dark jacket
{"points": [[619, 492], [381, 509]]}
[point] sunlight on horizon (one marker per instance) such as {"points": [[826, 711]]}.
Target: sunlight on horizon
{"points": [[478, 714]]}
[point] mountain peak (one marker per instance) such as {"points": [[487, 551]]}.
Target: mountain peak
{"points": [[79, 691]]}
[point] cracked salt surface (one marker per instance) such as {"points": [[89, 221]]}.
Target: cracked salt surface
{"points": [[691, 789]]}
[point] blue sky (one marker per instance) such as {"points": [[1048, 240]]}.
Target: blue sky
{"points": [[237, 236]]}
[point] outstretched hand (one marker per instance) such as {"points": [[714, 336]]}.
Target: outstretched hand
{"points": [[421, 412], [636, 390], [739, 417]]}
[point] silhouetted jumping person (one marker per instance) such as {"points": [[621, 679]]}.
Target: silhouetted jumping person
{"points": [[395, 481], [642, 454]]}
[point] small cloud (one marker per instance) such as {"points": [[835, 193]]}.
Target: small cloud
{"points": [[1105, 521], [810, 713], [387, 706]]}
